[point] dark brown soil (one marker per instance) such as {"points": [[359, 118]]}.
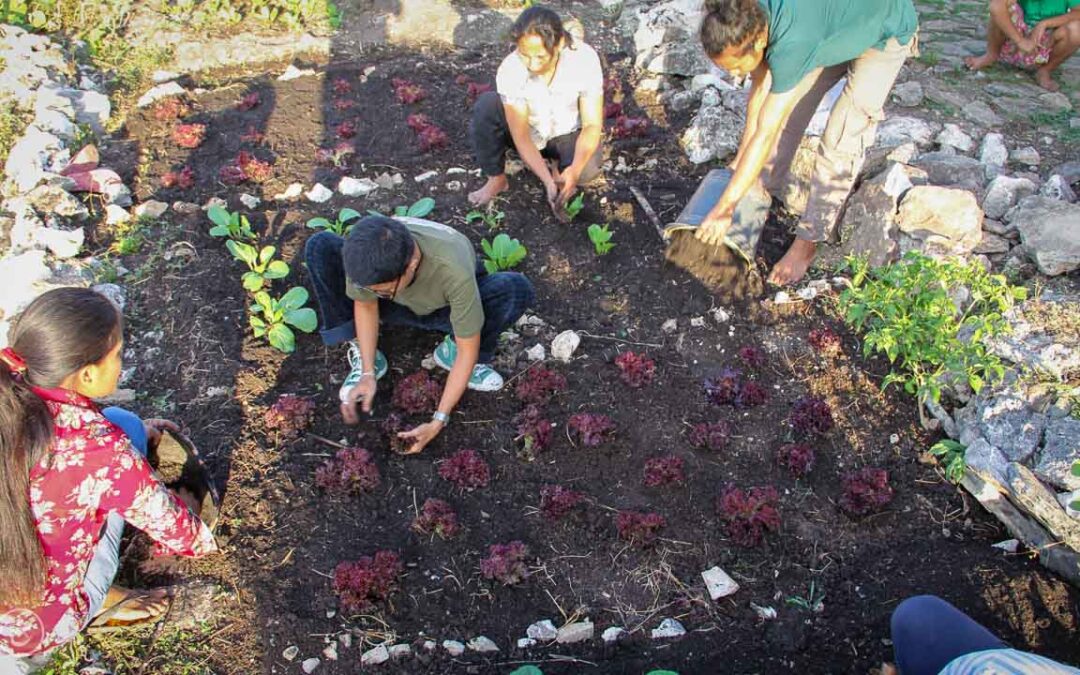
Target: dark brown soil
{"points": [[285, 536]]}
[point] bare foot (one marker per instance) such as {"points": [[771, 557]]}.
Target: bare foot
{"points": [[491, 190], [792, 267], [980, 62], [1045, 80], [124, 606]]}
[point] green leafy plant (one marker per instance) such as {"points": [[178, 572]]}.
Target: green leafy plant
{"points": [[813, 601], [502, 253], [573, 208], [600, 236], [931, 318], [340, 226], [417, 209], [272, 317], [951, 454], [235, 225], [261, 264], [491, 217]]}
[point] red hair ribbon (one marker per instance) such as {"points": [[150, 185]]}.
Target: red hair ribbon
{"points": [[13, 361]]}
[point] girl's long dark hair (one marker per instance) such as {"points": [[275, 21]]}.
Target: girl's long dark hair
{"points": [[61, 331], [729, 23], [544, 22]]}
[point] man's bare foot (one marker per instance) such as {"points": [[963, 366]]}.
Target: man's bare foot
{"points": [[792, 267], [490, 190], [980, 62], [124, 605], [1046, 80]]}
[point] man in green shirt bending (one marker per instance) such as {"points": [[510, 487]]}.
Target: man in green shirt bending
{"points": [[1031, 33], [412, 272], [795, 51]]}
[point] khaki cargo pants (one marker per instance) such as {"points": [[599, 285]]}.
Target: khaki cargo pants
{"points": [[850, 132]]}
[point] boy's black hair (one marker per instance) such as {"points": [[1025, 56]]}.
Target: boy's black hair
{"points": [[544, 22], [730, 23], [377, 250]]}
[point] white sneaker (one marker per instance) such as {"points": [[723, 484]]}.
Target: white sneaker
{"points": [[356, 369]]}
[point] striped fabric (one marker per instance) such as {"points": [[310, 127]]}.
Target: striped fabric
{"points": [[1005, 662]]}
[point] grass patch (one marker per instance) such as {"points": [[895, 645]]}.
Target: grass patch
{"points": [[929, 58], [127, 652], [1060, 122]]}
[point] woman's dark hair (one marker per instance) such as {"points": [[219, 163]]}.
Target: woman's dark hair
{"points": [[377, 250], [544, 22], [61, 331], [730, 23]]}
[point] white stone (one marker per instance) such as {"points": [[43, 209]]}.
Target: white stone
{"points": [[28, 157], [1067, 499], [319, 193], [482, 645], [345, 639], [215, 201], [666, 39], [292, 192], [426, 176], [901, 130], [807, 293], [575, 632], [612, 634], [782, 297], [429, 645], [309, 665], [113, 292], [329, 652], [400, 651], [908, 94], [163, 76], [150, 209], [993, 151], [670, 326], [668, 628], [290, 652], [357, 187], [526, 643], [564, 345], [1003, 193], [455, 186], [1026, 155], [954, 137], [718, 582], [763, 613], [1008, 545], [61, 243], [453, 647], [164, 90], [1058, 188], [115, 215], [543, 630], [1048, 229], [91, 107], [720, 315], [945, 218], [536, 353], [51, 199], [292, 72], [56, 123], [375, 656], [714, 133]]}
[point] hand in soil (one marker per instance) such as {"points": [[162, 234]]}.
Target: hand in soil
{"points": [[154, 429], [569, 187], [132, 606], [713, 230], [421, 436], [364, 394]]}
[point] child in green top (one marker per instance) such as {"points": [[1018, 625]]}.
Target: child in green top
{"points": [[1026, 33]]}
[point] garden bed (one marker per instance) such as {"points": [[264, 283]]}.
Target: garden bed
{"points": [[286, 535]]}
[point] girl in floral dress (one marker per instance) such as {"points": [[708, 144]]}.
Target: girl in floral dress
{"points": [[1037, 34], [71, 475]]}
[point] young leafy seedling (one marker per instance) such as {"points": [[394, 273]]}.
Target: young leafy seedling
{"points": [[600, 236], [502, 253], [865, 491], [235, 226], [352, 470], [749, 513], [418, 209], [491, 217], [574, 206], [340, 226], [289, 415], [506, 563], [273, 317], [369, 581], [262, 268], [951, 454]]}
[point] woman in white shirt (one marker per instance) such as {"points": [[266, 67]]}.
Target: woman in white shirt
{"points": [[549, 106]]}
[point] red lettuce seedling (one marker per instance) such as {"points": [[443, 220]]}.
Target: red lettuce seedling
{"points": [[408, 92], [749, 513], [533, 431], [189, 135], [825, 342], [417, 393], [663, 471], [640, 529], [751, 394], [506, 563], [391, 426], [252, 135], [182, 178], [865, 491], [342, 104], [338, 156], [538, 385], [592, 429], [475, 90], [249, 101], [612, 110], [351, 470], [724, 388], [289, 415], [346, 129], [752, 357], [798, 458], [169, 109], [362, 584], [438, 518], [636, 370], [244, 168], [341, 86], [629, 127], [811, 415], [710, 435], [232, 174], [556, 502], [466, 469], [430, 135]]}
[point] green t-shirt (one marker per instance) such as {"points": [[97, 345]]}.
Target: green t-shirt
{"points": [[446, 277], [1037, 10], [809, 34]]}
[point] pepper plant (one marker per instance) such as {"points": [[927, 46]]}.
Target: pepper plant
{"points": [[235, 226], [340, 226], [600, 236], [262, 267], [491, 217], [951, 454], [272, 317], [502, 253]]}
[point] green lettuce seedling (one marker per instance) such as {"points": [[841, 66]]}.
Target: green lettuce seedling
{"points": [[600, 236], [951, 454], [490, 217], [232, 225], [261, 264], [418, 209], [272, 317], [575, 205], [502, 253], [340, 226]]}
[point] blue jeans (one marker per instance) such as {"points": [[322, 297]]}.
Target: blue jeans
{"points": [[928, 633], [504, 295]]}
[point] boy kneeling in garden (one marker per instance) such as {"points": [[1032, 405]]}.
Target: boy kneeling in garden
{"points": [[412, 272]]}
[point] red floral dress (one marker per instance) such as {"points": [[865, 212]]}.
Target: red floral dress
{"points": [[91, 471]]}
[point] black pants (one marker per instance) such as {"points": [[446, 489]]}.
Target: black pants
{"points": [[490, 137]]}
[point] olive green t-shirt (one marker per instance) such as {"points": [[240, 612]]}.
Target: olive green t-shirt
{"points": [[1037, 10], [446, 277], [809, 34]]}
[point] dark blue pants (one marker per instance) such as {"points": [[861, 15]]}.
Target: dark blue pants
{"points": [[504, 295], [928, 633]]}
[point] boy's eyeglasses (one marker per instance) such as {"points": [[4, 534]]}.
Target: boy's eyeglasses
{"points": [[383, 294]]}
